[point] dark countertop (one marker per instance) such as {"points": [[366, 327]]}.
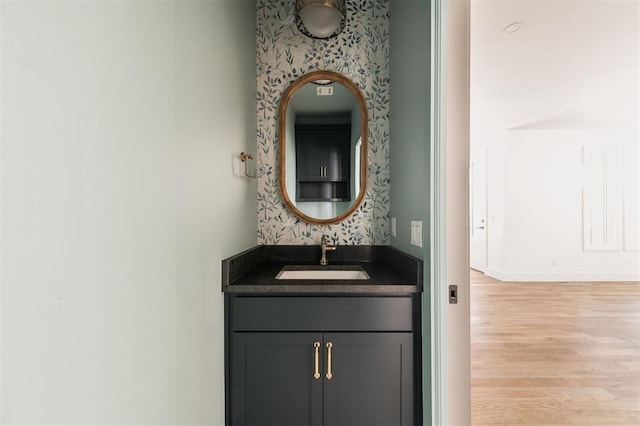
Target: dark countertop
{"points": [[391, 271]]}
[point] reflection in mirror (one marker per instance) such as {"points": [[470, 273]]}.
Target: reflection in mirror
{"points": [[323, 136]]}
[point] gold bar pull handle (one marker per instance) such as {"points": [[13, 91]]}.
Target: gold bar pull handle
{"points": [[316, 374], [329, 374]]}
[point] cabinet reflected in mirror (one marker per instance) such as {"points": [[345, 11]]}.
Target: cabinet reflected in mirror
{"points": [[323, 147]]}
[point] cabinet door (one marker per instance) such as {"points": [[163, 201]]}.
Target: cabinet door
{"points": [[309, 154], [272, 379], [323, 152], [337, 144], [371, 380]]}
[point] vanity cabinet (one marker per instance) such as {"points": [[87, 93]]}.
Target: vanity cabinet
{"points": [[322, 361], [323, 162]]}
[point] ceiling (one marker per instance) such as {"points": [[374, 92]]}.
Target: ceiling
{"points": [[577, 60]]}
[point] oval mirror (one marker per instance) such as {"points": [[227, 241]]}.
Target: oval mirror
{"points": [[323, 147]]}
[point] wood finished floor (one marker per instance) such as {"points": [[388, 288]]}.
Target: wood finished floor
{"points": [[554, 353]]}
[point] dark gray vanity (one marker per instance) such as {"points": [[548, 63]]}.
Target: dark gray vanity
{"points": [[323, 345]]}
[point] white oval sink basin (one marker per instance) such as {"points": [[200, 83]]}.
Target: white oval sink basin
{"points": [[319, 273]]}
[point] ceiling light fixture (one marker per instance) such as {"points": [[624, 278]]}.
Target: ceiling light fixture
{"points": [[321, 19], [322, 82]]}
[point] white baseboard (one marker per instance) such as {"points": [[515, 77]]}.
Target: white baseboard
{"points": [[562, 276]]}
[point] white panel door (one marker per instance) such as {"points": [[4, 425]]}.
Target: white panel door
{"points": [[478, 208]]}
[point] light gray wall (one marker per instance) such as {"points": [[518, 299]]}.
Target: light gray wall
{"points": [[410, 36], [409, 123], [121, 193]]}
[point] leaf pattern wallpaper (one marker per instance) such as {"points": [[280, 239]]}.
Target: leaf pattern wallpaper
{"points": [[360, 52]]}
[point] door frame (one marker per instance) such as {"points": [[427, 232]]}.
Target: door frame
{"points": [[449, 245]]}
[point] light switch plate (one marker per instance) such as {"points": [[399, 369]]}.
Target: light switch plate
{"points": [[394, 229], [416, 233]]}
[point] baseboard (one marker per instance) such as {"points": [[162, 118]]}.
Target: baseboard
{"points": [[562, 276], [494, 273]]}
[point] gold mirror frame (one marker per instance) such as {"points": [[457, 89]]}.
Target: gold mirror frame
{"points": [[284, 103]]}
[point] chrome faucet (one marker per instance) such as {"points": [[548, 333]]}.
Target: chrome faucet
{"points": [[325, 246]]}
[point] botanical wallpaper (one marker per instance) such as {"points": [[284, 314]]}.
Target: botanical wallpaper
{"points": [[361, 52]]}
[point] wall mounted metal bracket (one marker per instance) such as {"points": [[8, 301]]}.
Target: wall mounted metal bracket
{"points": [[244, 157]]}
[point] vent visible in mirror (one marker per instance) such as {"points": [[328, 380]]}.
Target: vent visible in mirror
{"points": [[324, 90]]}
